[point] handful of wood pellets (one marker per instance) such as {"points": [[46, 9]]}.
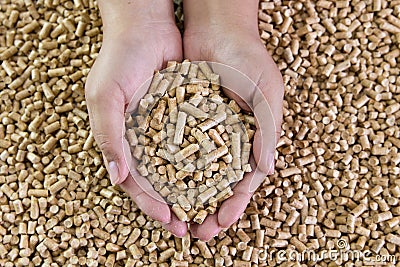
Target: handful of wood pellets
{"points": [[191, 142]]}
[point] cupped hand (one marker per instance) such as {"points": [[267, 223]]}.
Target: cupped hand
{"points": [[126, 60], [244, 52]]}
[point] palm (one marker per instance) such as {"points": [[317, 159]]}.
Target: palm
{"points": [[253, 60], [122, 66], [134, 62]]}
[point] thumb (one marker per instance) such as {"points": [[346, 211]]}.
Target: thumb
{"points": [[106, 103]]}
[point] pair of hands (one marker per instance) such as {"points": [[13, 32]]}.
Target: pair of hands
{"points": [[127, 60]]}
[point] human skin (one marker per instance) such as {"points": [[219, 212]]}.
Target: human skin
{"points": [[140, 37], [226, 31]]}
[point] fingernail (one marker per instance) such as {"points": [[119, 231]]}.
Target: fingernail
{"points": [[271, 163], [113, 171]]}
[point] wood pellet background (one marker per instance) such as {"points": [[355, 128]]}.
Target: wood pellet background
{"points": [[337, 170]]}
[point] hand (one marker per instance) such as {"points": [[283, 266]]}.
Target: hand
{"points": [[134, 46], [241, 49]]}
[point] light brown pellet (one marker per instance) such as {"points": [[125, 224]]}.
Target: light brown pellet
{"points": [[394, 239], [200, 217], [166, 254], [179, 212], [381, 217], [338, 148], [186, 152], [59, 185], [193, 111], [207, 194]]}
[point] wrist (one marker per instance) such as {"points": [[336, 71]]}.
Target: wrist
{"points": [[122, 17], [221, 16]]}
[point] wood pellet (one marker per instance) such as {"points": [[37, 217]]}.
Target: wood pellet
{"points": [[186, 159], [337, 162]]}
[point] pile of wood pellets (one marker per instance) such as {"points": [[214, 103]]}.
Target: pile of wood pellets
{"points": [[192, 142], [337, 172]]}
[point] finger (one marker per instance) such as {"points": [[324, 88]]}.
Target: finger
{"points": [[264, 143], [270, 84], [143, 193], [150, 202], [142, 182], [176, 226], [106, 111], [268, 106], [232, 208], [158, 210], [208, 229]]}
